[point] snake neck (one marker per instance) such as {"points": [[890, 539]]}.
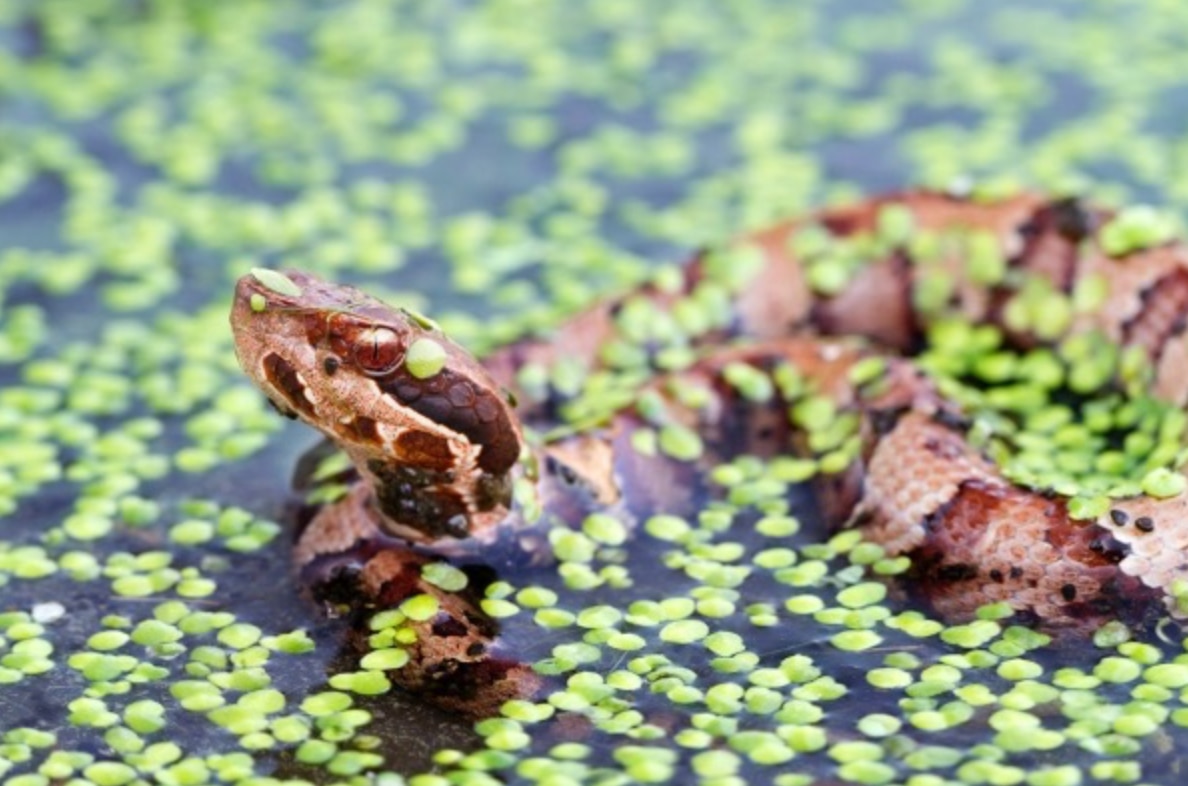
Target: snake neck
{"points": [[424, 505]]}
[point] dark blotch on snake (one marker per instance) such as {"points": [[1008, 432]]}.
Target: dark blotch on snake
{"points": [[410, 496], [1161, 316], [283, 377], [446, 626], [362, 429], [485, 423], [884, 420]]}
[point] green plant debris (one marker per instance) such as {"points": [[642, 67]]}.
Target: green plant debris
{"points": [[152, 630]]}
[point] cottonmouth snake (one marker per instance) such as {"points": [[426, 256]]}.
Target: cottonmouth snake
{"points": [[816, 337]]}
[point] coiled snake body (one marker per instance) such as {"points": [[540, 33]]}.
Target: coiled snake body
{"points": [[826, 312]]}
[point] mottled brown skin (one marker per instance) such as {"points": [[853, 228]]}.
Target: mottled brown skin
{"points": [[457, 661], [898, 495], [437, 457], [778, 302], [438, 452]]}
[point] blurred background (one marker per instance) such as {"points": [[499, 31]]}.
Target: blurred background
{"points": [[496, 163]]}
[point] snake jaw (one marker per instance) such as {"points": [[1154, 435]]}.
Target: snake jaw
{"points": [[426, 428]]}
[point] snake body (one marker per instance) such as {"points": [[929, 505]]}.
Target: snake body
{"points": [[444, 466]]}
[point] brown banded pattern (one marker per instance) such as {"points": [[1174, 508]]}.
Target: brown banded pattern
{"points": [[439, 451]]}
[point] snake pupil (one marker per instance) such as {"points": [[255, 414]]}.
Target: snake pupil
{"points": [[378, 350]]}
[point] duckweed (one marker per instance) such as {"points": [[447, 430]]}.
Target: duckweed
{"points": [[276, 281], [856, 640], [425, 358], [420, 607], [335, 143], [1136, 228], [497, 608], [239, 636], [680, 442], [366, 683]]}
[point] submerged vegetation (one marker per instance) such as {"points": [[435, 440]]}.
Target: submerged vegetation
{"points": [[497, 164]]}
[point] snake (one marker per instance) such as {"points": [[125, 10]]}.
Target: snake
{"points": [[814, 337]]}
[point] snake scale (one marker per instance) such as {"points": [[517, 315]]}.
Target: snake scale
{"points": [[836, 309]]}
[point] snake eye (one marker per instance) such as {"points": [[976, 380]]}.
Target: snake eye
{"points": [[378, 350]]}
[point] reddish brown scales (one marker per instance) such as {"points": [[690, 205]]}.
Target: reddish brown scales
{"points": [[1084, 542], [993, 542], [778, 300], [423, 450], [1162, 316], [1051, 241], [886, 281], [317, 330], [920, 487], [450, 660], [393, 576]]}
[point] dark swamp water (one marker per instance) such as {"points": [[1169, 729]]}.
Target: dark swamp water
{"points": [[497, 164]]}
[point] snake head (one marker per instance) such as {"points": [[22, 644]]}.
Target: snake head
{"points": [[421, 419]]}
